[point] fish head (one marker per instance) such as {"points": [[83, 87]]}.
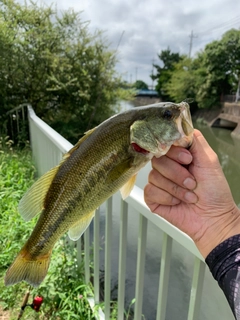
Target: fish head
{"points": [[162, 126]]}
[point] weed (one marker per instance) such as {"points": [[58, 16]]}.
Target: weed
{"points": [[64, 291]]}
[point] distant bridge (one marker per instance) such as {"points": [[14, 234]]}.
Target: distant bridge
{"points": [[147, 93]]}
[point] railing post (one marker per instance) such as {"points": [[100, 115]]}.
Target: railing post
{"points": [[87, 255], [108, 247], [164, 277], [96, 255], [79, 252], [122, 259], [142, 240], [196, 290]]}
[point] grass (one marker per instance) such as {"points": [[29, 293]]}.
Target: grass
{"points": [[64, 291]]}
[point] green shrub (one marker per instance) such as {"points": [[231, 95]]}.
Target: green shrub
{"points": [[64, 291]]}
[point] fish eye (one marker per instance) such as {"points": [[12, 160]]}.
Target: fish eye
{"points": [[167, 114]]}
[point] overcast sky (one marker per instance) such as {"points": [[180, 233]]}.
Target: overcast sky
{"points": [[144, 28]]}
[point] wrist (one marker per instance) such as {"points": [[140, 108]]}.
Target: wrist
{"points": [[218, 230]]}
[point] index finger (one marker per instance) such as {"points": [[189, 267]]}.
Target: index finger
{"points": [[180, 155]]}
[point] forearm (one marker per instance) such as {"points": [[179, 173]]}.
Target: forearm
{"points": [[224, 264]]}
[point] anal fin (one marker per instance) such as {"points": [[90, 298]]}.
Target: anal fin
{"points": [[127, 188], [78, 228]]}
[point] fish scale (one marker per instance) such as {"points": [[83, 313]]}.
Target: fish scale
{"points": [[105, 160]]}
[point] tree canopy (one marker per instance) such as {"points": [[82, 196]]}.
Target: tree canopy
{"points": [[51, 60], [214, 72], [163, 72], [139, 84]]}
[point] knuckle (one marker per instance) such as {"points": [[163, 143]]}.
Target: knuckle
{"points": [[175, 190], [147, 192], [151, 175]]}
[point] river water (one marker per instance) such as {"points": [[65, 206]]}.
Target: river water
{"points": [[214, 305]]}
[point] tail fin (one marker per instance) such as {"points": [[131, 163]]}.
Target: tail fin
{"points": [[24, 269]]}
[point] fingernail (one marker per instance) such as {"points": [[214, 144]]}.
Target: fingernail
{"points": [[185, 157], [190, 197], [189, 183]]}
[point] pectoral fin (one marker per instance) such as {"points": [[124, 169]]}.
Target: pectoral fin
{"points": [[78, 229], [32, 202], [127, 188]]}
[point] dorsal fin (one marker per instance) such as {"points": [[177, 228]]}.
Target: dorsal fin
{"points": [[32, 202], [78, 229], [127, 188], [77, 145]]}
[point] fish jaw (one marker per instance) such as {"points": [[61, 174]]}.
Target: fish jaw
{"points": [[185, 127], [155, 136]]}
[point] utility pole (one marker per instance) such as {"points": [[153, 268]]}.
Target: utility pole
{"points": [[191, 43], [152, 72], [136, 73], [120, 39]]}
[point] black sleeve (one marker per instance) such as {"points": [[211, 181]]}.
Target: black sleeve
{"points": [[224, 264]]}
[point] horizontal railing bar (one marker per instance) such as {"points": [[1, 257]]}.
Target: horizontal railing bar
{"points": [[18, 108], [61, 143], [136, 200]]}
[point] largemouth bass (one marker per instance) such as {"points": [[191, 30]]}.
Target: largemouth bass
{"points": [[105, 160]]}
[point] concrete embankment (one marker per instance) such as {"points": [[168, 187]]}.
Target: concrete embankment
{"points": [[228, 117]]}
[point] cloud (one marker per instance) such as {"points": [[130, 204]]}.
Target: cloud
{"points": [[147, 27]]}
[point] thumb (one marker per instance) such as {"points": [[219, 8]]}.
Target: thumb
{"points": [[203, 154]]}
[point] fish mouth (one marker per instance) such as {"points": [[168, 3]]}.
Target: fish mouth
{"points": [[185, 127], [139, 149], [155, 141]]}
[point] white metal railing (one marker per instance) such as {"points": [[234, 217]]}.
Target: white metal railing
{"points": [[48, 147]]}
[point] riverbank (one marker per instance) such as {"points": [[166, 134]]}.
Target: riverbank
{"points": [[205, 116], [209, 115]]}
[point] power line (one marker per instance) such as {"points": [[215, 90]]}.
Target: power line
{"points": [[226, 24]]}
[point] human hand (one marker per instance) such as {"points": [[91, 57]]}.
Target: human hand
{"points": [[188, 189]]}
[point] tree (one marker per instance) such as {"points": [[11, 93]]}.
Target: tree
{"points": [[213, 73], [52, 61], [140, 85], [181, 82], [221, 61], [163, 73]]}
